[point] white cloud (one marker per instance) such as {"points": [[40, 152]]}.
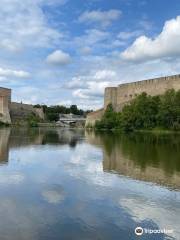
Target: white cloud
{"points": [[145, 24], [59, 57], [104, 74], [65, 103], [91, 86], [13, 73], [104, 18], [85, 50], [86, 82], [88, 89], [52, 2], [14, 178], [76, 82], [91, 37], [53, 196], [94, 89], [166, 44], [28, 94], [141, 208], [128, 35], [23, 24], [118, 43]]}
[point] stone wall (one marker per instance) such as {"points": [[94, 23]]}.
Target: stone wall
{"points": [[93, 117], [124, 93], [20, 111], [15, 112]]}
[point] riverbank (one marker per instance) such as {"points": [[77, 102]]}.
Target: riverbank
{"points": [[40, 125], [60, 125], [116, 130], [158, 131]]}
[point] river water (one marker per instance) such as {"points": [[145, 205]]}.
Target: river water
{"points": [[70, 184]]}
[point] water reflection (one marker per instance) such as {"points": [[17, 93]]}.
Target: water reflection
{"points": [[43, 136], [21, 137], [148, 157], [59, 184], [4, 145]]}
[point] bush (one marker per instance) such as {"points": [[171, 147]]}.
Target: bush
{"points": [[37, 106], [2, 124], [52, 117], [33, 120]]}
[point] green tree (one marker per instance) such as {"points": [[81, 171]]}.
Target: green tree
{"points": [[52, 116], [74, 109]]}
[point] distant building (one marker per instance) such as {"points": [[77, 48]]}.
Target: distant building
{"points": [[71, 118]]}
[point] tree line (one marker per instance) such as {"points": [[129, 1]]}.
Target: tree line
{"points": [[145, 112]]}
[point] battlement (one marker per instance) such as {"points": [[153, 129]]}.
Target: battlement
{"points": [[152, 80]]}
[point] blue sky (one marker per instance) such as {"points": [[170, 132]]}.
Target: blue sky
{"points": [[67, 51]]}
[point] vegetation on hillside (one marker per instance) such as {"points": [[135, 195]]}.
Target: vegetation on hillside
{"points": [[145, 113], [52, 112], [33, 120]]}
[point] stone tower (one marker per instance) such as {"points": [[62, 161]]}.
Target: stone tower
{"points": [[5, 100]]}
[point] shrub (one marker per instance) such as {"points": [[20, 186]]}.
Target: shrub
{"points": [[33, 120]]}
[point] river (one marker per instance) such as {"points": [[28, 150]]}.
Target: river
{"points": [[72, 184]]}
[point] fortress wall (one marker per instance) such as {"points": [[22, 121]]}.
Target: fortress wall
{"points": [[124, 93], [93, 117], [20, 111], [15, 111]]}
